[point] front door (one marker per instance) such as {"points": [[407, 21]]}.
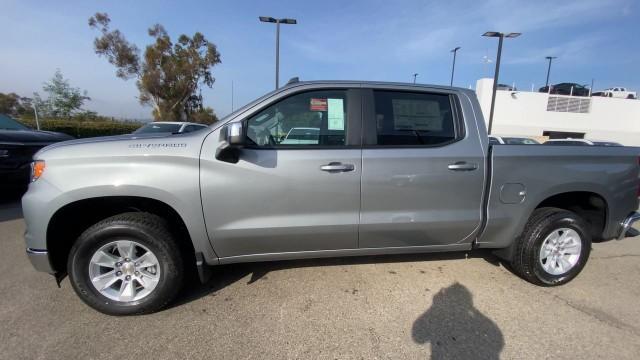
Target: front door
{"points": [[422, 171], [296, 187]]}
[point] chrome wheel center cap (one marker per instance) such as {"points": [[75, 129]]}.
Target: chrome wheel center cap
{"points": [[128, 268]]}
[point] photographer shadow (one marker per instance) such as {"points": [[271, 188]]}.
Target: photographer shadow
{"points": [[456, 329]]}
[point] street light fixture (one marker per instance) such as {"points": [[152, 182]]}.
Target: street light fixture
{"points": [[549, 68], [414, 77], [496, 74], [269, 19], [453, 67]]}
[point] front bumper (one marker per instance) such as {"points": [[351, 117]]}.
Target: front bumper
{"points": [[40, 260], [626, 227]]}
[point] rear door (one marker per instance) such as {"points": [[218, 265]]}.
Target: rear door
{"points": [[422, 170]]}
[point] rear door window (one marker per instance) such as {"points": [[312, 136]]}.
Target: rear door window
{"points": [[414, 118]]}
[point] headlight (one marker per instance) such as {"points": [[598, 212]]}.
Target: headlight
{"points": [[37, 168]]}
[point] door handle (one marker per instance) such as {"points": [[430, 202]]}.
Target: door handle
{"points": [[337, 167], [462, 166]]}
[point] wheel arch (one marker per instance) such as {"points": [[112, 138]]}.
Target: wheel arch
{"points": [[590, 206], [70, 220]]}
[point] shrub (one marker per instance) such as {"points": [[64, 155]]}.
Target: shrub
{"points": [[84, 129]]}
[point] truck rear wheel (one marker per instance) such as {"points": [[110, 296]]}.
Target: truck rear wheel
{"points": [[553, 248], [126, 264]]}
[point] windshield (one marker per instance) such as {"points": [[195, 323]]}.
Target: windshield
{"points": [[7, 123], [567, 142], [157, 127], [519, 141], [606, 143]]}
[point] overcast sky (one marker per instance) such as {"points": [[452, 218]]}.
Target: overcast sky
{"points": [[361, 40]]}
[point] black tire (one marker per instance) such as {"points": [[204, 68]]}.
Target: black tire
{"points": [[526, 260], [146, 229]]}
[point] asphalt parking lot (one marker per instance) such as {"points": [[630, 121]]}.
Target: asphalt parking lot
{"points": [[439, 306]]}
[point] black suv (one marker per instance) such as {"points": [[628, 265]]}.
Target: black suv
{"points": [[565, 89], [18, 143]]}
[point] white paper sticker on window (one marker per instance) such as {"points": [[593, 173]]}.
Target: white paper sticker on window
{"points": [[335, 114], [416, 115]]}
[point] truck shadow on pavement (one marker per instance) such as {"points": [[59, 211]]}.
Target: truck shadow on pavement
{"points": [[452, 325], [225, 275], [456, 329]]}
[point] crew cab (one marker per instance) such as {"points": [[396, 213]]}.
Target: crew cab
{"points": [[392, 168]]}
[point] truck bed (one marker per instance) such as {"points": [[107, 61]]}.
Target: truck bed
{"points": [[523, 177]]}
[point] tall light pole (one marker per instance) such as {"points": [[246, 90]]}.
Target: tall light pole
{"points": [[549, 68], [414, 77], [496, 74], [453, 67], [277, 22], [35, 111]]}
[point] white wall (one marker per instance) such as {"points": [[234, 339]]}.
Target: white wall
{"points": [[525, 113]]}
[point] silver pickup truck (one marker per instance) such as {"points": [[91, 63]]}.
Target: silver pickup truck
{"points": [[388, 168]]}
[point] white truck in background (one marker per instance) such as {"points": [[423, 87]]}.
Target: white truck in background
{"points": [[620, 92]]}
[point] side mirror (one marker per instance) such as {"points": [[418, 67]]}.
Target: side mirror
{"points": [[233, 138], [235, 134]]}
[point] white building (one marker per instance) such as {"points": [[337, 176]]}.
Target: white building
{"points": [[537, 115]]}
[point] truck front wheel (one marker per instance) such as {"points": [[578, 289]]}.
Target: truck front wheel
{"points": [[126, 264], [553, 248]]}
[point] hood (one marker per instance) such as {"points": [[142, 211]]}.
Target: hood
{"points": [[110, 138], [32, 137], [125, 144]]}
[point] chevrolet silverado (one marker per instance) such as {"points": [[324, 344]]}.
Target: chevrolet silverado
{"points": [[390, 168]]}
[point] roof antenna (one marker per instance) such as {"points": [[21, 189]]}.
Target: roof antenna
{"points": [[293, 80]]}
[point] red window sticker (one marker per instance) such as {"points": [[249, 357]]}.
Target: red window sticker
{"points": [[318, 104]]}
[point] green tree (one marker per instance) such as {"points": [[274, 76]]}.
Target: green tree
{"points": [[63, 100], [13, 104], [168, 73], [203, 116], [196, 111]]}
